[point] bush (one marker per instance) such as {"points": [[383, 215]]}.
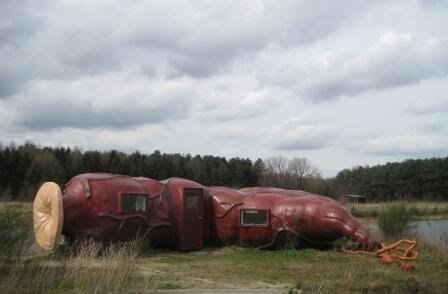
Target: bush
{"points": [[395, 220], [14, 231]]}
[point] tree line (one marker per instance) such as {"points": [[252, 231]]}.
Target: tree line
{"points": [[412, 179], [296, 173], [24, 168]]}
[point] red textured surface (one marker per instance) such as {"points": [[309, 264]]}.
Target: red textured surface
{"points": [[95, 214], [91, 210], [407, 267]]}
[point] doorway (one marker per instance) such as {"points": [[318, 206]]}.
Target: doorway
{"points": [[192, 220]]}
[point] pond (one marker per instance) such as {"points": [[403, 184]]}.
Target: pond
{"points": [[432, 231]]}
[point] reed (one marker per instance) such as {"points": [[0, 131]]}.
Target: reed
{"points": [[395, 220]]}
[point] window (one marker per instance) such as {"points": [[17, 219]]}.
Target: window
{"points": [[192, 201], [254, 217], [133, 202]]}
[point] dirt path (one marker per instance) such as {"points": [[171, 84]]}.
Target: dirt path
{"points": [[224, 291], [173, 280]]}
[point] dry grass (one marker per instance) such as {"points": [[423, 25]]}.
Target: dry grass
{"points": [[85, 267], [82, 267]]}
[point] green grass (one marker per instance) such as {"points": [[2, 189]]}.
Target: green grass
{"points": [[313, 270]]}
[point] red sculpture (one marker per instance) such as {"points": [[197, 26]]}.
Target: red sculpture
{"points": [[185, 215]]}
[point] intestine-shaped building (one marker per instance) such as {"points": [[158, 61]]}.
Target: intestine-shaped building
{"points": [[182, 214]]}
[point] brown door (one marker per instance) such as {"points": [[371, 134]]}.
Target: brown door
{"points": [[193, 222]]}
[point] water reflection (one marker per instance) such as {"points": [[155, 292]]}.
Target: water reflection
{"points": [[432, 231]]}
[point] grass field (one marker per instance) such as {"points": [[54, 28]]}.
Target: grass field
{"points": [[310, 270], [117, 269]]}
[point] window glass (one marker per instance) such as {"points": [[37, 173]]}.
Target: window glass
{"points": [[253, 217], [192, 201], [133, 202]]}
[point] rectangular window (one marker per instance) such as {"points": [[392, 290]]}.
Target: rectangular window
{"points": [[133, 202], [254, 217], [192, 200]]}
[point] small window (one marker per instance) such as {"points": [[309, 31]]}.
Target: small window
{"points": [[133, 202], [192, 201], [254, 217]]}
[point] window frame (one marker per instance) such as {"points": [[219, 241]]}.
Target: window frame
{"points": [[122, 195], [268, 223]]}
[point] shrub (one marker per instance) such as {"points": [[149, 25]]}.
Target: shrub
{"points": [[395, 220], [14, 231]]}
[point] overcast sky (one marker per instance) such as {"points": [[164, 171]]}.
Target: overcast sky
{"points": [[341, 83]]}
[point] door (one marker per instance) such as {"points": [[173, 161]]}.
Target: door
{"points": [[192, 220]]}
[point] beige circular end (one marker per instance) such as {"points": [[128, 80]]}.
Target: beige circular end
{"points": [[48, 216]]}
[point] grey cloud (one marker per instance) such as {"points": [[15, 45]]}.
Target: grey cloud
{"points": [[235, 103], [425, 145], [86, 54], [8, 83], [428, 106], [396, 60], [182, 65], [440, 126], [98, 103], [18, 21], [173, 38], [438, 4], [302, 144], [202, 46], [74, 115], [294, 134]]}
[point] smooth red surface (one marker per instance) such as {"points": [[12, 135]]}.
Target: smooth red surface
{"points": [[91, 210]]}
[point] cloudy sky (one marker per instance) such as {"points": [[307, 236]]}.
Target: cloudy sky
{"points": [[342, 83]]}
